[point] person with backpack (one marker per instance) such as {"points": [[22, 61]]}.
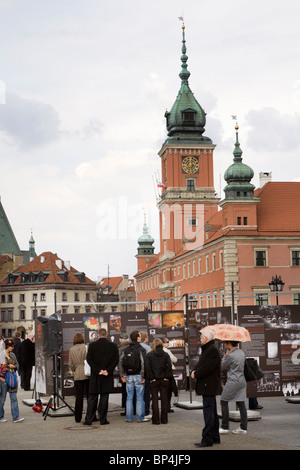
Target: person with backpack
{"points": [[132, 372]]}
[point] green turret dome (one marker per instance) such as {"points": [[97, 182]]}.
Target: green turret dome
{"points": [[238, 175], [145, 242], [186, 120]]}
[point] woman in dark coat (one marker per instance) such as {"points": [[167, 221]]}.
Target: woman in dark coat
{"points": [[159, 372], [103, 357], [208, 376]]}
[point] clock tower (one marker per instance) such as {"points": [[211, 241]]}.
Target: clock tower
{"points": [[188, 197]]}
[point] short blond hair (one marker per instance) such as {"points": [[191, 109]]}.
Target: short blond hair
{"points": [[143, 335]]}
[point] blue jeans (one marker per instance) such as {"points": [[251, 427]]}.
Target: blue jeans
{"points": [[133, 382], [13, 401]]}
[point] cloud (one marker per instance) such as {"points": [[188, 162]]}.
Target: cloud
{"points": [[28, 124], [272, 130]]}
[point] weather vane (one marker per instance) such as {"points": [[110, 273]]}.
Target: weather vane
{"points": [[181, 19], [234, 117]]}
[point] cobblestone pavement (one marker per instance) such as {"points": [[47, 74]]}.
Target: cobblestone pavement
{"points": [[277, 429]]}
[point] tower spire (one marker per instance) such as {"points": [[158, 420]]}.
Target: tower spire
{"points": [[184, 74]]}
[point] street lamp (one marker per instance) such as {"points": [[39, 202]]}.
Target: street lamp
{"points": [[276, 285]]}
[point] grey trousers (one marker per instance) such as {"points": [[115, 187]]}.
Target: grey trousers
{"points": [[225, 414]]}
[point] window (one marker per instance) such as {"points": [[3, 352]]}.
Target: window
{"points": [[43, 297], [188, 116], [190, 185], [296, 299], [22, 297], [207, 263], [34, 297], [214, 261], [245, 220], [221, 259], [64, 296], [239, 220], [260, 258], [295, 258], [262, 299], [22, 314], [76, 297], [192, 222]]}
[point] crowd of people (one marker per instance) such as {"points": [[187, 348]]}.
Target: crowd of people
{"points": [[146, 374], [17, 358]]}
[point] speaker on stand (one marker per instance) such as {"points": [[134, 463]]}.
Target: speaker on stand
{"points": [[52, 347]]}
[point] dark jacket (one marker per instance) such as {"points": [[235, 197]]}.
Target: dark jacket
{"points": [[208, 371], [17, 349], [27, 353], [158, 364], [102, 355]]}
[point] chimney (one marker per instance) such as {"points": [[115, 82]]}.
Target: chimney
{"points": [[264, 177]]}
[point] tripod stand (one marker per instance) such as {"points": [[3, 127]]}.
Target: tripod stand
{"points": [[55, 397]]}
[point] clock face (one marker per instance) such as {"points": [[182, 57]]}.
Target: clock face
{"points": [[190, 165]]}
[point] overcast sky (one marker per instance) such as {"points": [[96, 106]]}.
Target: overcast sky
{"points": [[84, 85]]}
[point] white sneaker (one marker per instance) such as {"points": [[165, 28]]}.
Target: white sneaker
{"points": [[148, 416], [18, 420], [239, 431], [2, 420], [223, 431]]}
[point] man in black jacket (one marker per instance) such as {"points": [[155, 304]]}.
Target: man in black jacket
{"points": [[208, 384], [103, 357]]}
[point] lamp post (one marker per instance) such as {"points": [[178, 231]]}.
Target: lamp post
{"points": [[276, 285]]}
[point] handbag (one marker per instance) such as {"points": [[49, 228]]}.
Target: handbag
{"points": [[252, 371], [11, 379], [87, 367]]}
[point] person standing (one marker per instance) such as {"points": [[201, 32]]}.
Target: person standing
{"points": [[172, 382], [123, 343], [27, 360], [208, 384], [77, 356], [159, 371], [102, 357], [17, 353], [147, 392], [235, 388], [132, 372], [8, 357]]}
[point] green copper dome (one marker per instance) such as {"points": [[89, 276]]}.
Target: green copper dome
{"points": [[238, 175], [187, 119], [145, 242]]}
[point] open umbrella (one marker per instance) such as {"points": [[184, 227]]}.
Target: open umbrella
{"points": [[228, 332]]}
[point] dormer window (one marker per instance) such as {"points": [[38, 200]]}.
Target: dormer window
{"points": [[188, 116]]}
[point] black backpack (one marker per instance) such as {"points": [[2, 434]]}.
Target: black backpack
{"points": [[132, 360]]}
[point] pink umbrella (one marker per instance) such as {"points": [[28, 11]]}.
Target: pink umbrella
{"points": [[228, 332]]}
